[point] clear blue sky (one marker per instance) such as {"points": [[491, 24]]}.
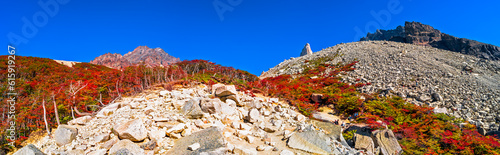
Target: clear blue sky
{"points": [[252, 35]]}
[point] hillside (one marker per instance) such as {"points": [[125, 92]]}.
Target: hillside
{"points": [[190, 121], [373, 97], [465, 86], [84, 88], [142, 54]]}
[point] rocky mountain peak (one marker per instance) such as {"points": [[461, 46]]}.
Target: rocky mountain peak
{"points": [[421, 34], [306, 50], [142, 54], [110, 60]]}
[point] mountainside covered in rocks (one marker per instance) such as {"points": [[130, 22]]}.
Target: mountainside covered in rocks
{"points": [[421, 34], [320, 111], [201, 120], [460, 85], [142, 54]]}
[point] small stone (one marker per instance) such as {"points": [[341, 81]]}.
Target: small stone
{"points": [[164, 93], [176, 129], [261, 148], [125, 146], [80, 120], [266, 113], [211, 141], [235, 125], [244, 151], [186, 132], [210, 106], [317, 98], [101, 138], [135, 130], [270, 129], [148, 110], [98, 152], [65, 134], [198, 123], [440, 110], [253, 115], [108, 144], [244, 126], [255, 104], [178, 104], [194, 146], [134, 105], [156, 134], [278, 109], [175, 135], [387, 140], [249, 139], [76, 152], [149, 145], [122, 151], [286, 152], [273, 100], [424, 98], [230, 147], [300, 118], [310, 141], [231, 102], [29, 149], [242, 133], [192, 109]]}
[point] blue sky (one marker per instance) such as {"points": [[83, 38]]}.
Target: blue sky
{"points": [[252, 35]]}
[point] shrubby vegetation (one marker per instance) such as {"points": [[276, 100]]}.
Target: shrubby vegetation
{"points": [[85, 88], [418, 129]]}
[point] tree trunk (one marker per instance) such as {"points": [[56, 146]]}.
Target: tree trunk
{"points": [[81, 113], [55, 110], [72, 114]]}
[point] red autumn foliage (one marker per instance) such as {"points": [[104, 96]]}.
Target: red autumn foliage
{"points": [[419, 131], [89, 87]]}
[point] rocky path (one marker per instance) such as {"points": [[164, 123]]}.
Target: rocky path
{"points": [[197, 120]]}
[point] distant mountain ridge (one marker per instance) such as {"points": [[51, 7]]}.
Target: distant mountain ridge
{"points": [[149, 56], [421, 34]]}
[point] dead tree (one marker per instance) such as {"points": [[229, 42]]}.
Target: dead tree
{"points": [[45, 117], [55, 106], [55, 111], [73, 90]]}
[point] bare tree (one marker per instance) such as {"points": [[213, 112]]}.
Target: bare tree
{"points": [[55, 110], [100, 99], [55, 106], [118, 90], [81, 113], [74, 88], [45, 117]]}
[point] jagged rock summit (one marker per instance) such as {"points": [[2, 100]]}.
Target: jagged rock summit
{"points": [[421, 34], [115, 60], [306, 50], [149, 56]]}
